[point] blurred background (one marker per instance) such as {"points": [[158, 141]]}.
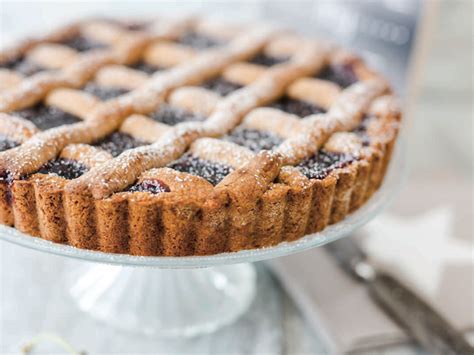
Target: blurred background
{"points": [[424, 47]]}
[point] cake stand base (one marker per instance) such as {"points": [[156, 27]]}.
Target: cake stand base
{"points": [[163, 302]]}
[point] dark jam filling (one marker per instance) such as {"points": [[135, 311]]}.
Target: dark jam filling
{"points": [[221, 86], [23, 66], [6, 179], [253, 139], [65, 168], [6, 143], [104, 93], [297, 107], [82, 44], [322, 163], [145, 67], [118, 142], [154, 186], [212, 172], [198, 41], [263, 59], [171, 115], [46, 117], [341, 74]]}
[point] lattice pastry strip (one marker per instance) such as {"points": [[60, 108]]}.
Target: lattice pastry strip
{"points": [[120, 76], [16, 129], [167, 54]]}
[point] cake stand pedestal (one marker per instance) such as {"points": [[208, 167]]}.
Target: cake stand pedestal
{"points": [[172, 303], [185, 296]]}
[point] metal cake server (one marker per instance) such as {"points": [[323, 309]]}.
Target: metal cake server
{"points": [[416, 317]]}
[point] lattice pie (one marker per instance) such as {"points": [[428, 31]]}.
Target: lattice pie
{"points": [[187, 137]]}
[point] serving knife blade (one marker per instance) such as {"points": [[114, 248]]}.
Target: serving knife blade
{"points": [[415, 316]]}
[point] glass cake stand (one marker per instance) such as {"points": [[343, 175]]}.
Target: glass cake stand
{"points": [[186, 296]]}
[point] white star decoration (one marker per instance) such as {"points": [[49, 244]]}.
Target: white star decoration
{"points": [[417, 249]]}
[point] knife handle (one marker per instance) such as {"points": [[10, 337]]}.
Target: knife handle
{"points": [[425, 325]]}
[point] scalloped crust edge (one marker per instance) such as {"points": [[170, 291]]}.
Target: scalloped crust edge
{"points": [[171, 225]]}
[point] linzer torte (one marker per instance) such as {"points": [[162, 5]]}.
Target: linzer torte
{"points": [[187, 137]]}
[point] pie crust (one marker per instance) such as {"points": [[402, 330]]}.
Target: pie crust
{"points": [[187, 137]]}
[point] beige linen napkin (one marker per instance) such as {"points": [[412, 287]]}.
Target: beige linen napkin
{"points": [[421, 251]]}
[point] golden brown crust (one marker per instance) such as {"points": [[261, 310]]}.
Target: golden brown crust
{"points": [[265, 200], [24, 207], [298, 203], [49, 193], [81, 221], [112, 224], [145, 225], [322, 198], [244, 187], [270, 216], [360, 184], [342, 195], [211, 232], [180, 218], [6, 210]]}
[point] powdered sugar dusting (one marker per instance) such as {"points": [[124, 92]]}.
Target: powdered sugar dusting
{"points": [[345, 115], [65, 168], [209, 170], [253, 139], [322, 163]]}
